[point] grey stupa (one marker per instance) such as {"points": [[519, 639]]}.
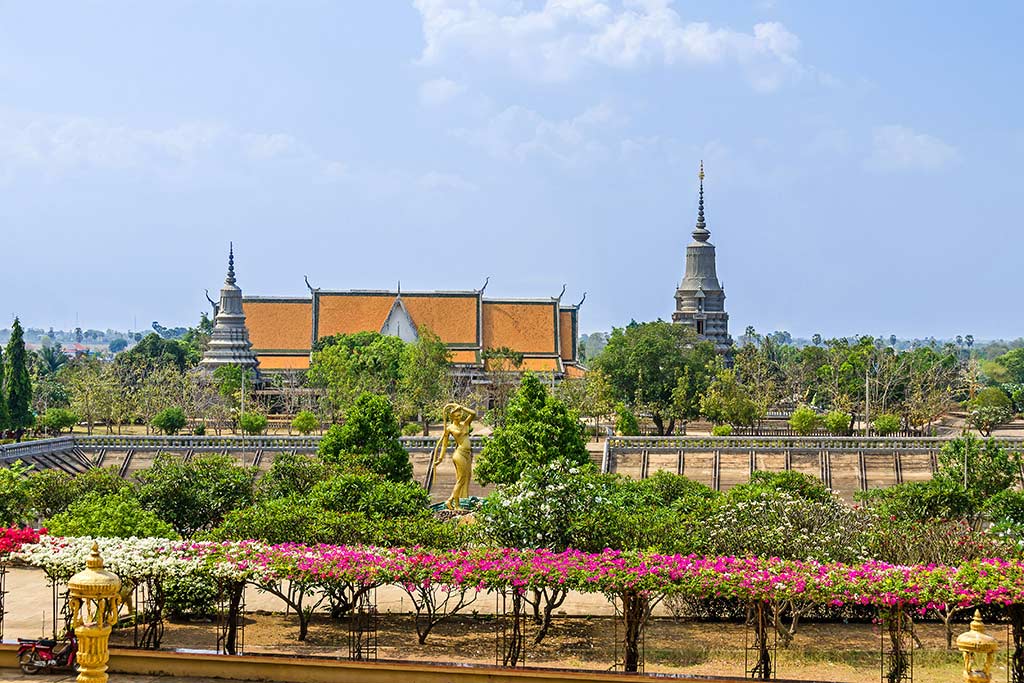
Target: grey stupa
{"points": [[229, 343], [700, 299]]}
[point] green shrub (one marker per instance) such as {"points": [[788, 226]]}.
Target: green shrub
{"points": [[837, 422], [56, 420], [412, 429], [169, 420], [200, 429], [625, 421], [804, 421], [252, 424], [721, 430], [118, 516], [990, 408], [368, 440], [189, 595], [305, 422], [887, 424]]}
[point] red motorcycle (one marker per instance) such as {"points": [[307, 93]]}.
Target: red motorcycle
{"points": [[47, 655]]}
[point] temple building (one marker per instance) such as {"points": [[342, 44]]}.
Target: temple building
{"points": [[229, 342], [284, 329], [700, 299]]}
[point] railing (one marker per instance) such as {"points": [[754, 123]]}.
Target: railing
{"points": [[816, 443], [30, 449], [185, 444]]}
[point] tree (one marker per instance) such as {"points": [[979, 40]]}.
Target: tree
{"points": [[425, 381], [645, 364], [305, 422], [252, 423], [18, 383], [118, 345], [538, 429], [348, 365], [990, 468], [887, 424], [153, 351], [229, 380], [504, 370], [117, 516], [990, 408], [14, 493], [293, 474], [195, 495], [1013, 362], [55, 420], [368, 440], [804, 421], [727, 401], [837, 422], [4, 418], [625, 421], [169, 420], [51, 358]]}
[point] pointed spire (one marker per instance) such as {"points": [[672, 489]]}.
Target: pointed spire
{"points": [[701, 233], [231, 264]]}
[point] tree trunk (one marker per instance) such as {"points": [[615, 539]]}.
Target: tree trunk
{"points": [[634, 614], [659, 425]]}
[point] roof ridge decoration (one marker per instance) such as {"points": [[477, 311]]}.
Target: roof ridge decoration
{"points": [[230, 279]]}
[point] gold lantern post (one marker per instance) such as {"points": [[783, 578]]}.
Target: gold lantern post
{"points": [[979, 650], [94, 597]]}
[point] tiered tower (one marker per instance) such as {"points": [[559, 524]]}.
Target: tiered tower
{"points": [[229, 342], [700, 299]]}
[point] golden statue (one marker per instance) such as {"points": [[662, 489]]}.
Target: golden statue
{"points": [[457, 424]]}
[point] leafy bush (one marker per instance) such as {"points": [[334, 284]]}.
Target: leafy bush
{"points": [[887, 424], [293, 474], [252, 424], [189, 594], [169, 420], [56, 420], [721, 430], [14, 493], [990, 408], [118, 516], [200, 429], [305, 422], [196, 494], [837, 422], [538, 429], [918, 501], [991, 468], [804, 421], [625, 421], [412, 429], [794, 483], [368, 440], [371, 495], [670, 490]]}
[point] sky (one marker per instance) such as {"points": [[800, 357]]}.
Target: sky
{"points": [[862, 160]]}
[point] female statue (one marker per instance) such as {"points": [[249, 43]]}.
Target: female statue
{"points": [[457, 421]]}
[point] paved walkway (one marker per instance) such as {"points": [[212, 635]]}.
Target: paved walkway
{"points": [[8, 676]]}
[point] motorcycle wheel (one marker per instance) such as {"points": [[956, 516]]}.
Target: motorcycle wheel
{"points": [[26, 662]]}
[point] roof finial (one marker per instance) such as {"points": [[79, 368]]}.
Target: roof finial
{"points": [[231, 264], [701, 234]]}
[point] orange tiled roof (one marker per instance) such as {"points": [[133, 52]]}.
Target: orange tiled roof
{"points": [[566, 328], [279, 325], [534, 364], [452, 317], [526, 327], [574, 371], [351, 313], [463, 356], [271, 362]]}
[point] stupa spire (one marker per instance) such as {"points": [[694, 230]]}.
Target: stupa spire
{"points": [[231, 264], [701, 232]]}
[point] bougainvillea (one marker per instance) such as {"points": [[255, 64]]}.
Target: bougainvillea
{"points": [[13, 538], [922, 587]]}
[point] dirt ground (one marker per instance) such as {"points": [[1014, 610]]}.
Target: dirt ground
{"points": [[821, 652]]}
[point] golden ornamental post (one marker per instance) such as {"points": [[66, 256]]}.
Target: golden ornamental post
{"points": [[94, 598], [979, 650]]}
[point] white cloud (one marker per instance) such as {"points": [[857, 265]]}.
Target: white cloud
{"points": [[440, 91], [62, 144], [437, 181], [517, 133], [898, 148], [562, 37]]}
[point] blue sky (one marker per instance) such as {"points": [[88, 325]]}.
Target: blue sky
{"points": [[863, 159]]}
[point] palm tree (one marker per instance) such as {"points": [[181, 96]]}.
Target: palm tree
{"points": [[51, 359]]}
